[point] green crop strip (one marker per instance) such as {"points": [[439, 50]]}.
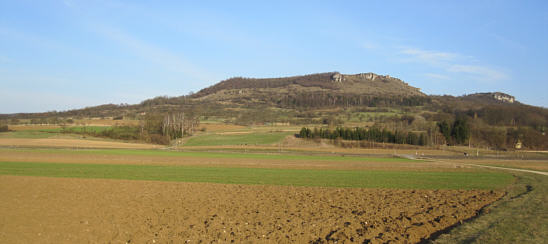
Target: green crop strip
{"points": [[213, 155], [237, 139], [259, 176]]}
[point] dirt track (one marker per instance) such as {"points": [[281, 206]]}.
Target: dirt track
{"points": [[57, 210], [510, 169], [538, 165]]}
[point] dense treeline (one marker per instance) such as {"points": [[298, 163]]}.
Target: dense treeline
{"points": [[360, 134], [479, 132], [455, 133], [461, 130], [323, 99], [492, 112], [512, 115], [165, 100]]}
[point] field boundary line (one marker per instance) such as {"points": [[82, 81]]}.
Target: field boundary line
{"points": [[490, 167], [504, 168]]}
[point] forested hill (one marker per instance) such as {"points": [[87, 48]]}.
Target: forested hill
{"points": [[332, 82]]}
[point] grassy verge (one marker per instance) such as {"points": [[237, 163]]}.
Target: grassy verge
{"points": [[237, 139], [259, 176], [520, 217], [202, 154]]}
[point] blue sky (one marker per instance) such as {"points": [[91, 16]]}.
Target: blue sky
{"points": [[59, 55]]}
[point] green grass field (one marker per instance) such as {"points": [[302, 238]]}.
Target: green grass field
{"points": [[78, 129], [47, 133], [237, 139], [211, 155], [258, 176], [28, 134]]}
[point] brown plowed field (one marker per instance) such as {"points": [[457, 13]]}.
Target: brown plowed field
{"points": [[60, 210], [72, 143]]}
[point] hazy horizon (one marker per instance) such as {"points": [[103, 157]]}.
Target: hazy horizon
{"points": [[62, 55]]}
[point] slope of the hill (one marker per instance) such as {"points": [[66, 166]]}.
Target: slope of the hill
{"points": [[315, 90], [364, 84]]}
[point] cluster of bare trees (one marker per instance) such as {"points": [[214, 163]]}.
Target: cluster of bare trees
{"points": [[177, 125], [162, 127]]}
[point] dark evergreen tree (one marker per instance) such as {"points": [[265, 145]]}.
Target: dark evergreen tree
{"points": [[460, 131], [445, 130]]}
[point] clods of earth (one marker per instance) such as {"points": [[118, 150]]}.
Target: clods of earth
{"points": [[63, 210]]}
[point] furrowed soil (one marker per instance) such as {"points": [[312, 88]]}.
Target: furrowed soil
{"points": [[64, 210], [72, 143]]}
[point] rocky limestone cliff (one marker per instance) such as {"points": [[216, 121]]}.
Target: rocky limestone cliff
{"points": [[493, 96], [368, 82]]}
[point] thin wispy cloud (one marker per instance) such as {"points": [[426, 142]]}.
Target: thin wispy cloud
{"points": [[453, 64], [479, 72], [508, 42], [4, 59], [431, 57], [437, 76], [369, 45], [32, 40], [155, 54], [68, 3]]}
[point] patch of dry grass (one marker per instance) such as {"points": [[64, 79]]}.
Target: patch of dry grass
{"points": [[521, 217]]}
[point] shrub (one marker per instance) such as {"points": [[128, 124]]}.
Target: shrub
{"points": [[159, 139]]}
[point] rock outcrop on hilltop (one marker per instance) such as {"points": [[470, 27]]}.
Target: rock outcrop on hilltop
{"points": [[492, 97], [333, 82]]}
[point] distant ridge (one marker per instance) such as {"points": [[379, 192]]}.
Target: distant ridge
{"points": [[363, 83]]}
